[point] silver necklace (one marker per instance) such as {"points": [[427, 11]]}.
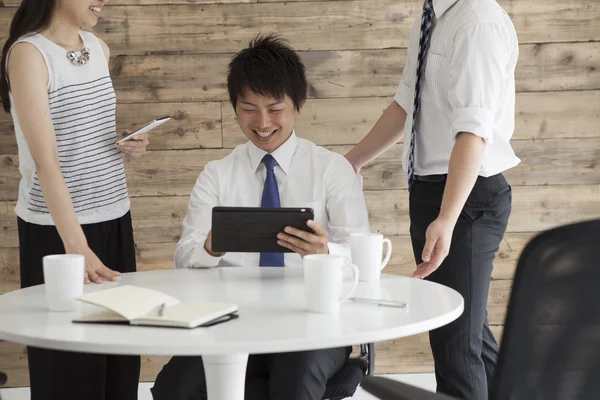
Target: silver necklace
{"points": [[79, 57]]}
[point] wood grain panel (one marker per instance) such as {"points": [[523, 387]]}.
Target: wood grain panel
{"points": [[542, 115], [198, 27], [9, 270], [328, 25], [335, 74], [535, 208], [202, 77], [227, 28], [13, 362], [174, 172], [557, 115]]}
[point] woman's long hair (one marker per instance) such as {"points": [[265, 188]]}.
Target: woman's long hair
{"points": [[32, 16]]}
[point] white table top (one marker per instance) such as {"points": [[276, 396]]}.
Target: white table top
{"points": [[273, 315]]}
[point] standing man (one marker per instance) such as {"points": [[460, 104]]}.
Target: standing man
{"points": [[456, 101]]}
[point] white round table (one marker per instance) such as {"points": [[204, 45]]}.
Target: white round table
{"points": [[272, 318]]}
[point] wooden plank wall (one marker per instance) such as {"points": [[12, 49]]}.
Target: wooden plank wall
{"points": [[169, 57]]}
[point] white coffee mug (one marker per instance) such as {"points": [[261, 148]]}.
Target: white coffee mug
{"points": [[367, 249], [63, 278], [323, 279]]}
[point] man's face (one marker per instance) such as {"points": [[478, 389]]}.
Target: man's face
{"points": [[266, 122]]}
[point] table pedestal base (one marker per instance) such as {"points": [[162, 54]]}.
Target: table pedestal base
{"points": [[225, 376]]}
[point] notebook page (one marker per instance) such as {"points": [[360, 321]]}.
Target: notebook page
{"points": [[129, 301]]}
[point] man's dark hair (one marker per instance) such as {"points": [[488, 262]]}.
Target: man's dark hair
{"points": [[268, 67]]}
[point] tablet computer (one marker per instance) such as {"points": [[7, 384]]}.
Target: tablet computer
{"points": [[255, 229]]}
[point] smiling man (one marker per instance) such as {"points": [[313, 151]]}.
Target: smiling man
{"points": [[267, 88]]}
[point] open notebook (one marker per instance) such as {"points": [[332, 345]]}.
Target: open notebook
{"points": [[140, 306]]}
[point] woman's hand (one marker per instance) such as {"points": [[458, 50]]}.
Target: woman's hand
{"points": [[134, 147], [95, 270]]}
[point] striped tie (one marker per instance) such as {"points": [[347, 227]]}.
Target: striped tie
{"points": [[426, 22]]}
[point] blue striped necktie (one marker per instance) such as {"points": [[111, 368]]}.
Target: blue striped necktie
{"points": [[426, 25], [270, 198]]}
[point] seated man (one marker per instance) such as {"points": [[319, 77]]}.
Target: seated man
{"points": [[267, 87]]}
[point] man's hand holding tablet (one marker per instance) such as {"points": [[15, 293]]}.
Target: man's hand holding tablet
{"points": [[255, 230]]}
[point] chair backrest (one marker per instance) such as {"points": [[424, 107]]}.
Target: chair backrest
{"points": [[551, 343], [2, 381]]}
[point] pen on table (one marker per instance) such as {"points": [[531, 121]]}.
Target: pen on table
{"points": [[161, 310], [380, 302]]}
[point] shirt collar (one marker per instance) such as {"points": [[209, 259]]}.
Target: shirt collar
{"points": [[283, 155], [441, 6]]}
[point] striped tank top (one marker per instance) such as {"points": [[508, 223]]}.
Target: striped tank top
{"points": [[82, 107]]}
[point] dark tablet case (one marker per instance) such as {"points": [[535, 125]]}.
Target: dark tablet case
{"points": [[254, 229]]}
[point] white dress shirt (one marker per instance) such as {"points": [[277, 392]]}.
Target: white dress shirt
{"points": [[468, 85], [307, 176]]}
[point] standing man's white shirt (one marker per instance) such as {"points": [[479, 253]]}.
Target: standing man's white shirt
{"points": [[472, 43], [307, 176]]}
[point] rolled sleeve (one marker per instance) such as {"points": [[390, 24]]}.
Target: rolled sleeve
{"points": [[205, 260], [478, 71], [476, 120], [404, 95]]}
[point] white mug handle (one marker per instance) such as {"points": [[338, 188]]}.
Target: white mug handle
{"points": [[354, 283], [388, 254]]}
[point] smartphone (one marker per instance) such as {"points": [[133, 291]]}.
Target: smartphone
{"points": [[149, 126]]}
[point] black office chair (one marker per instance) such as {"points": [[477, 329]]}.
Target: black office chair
{"points": [[551, 344], [2, 381]]}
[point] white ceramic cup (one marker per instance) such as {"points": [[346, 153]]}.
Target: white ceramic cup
{"points": [[367, 249], [63, 278], [323, 279]]}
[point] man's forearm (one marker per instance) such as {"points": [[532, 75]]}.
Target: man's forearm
{"points": [[465, 164], [387, 132]]}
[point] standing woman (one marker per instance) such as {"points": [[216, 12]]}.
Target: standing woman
{"points": [[54, 80]]}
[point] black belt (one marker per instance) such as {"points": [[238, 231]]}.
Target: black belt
{"points": [[431, 178], [442, 178]]}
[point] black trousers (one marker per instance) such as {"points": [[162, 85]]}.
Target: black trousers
{"points": [[465, 351], [284, 376], [62, 375]]}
